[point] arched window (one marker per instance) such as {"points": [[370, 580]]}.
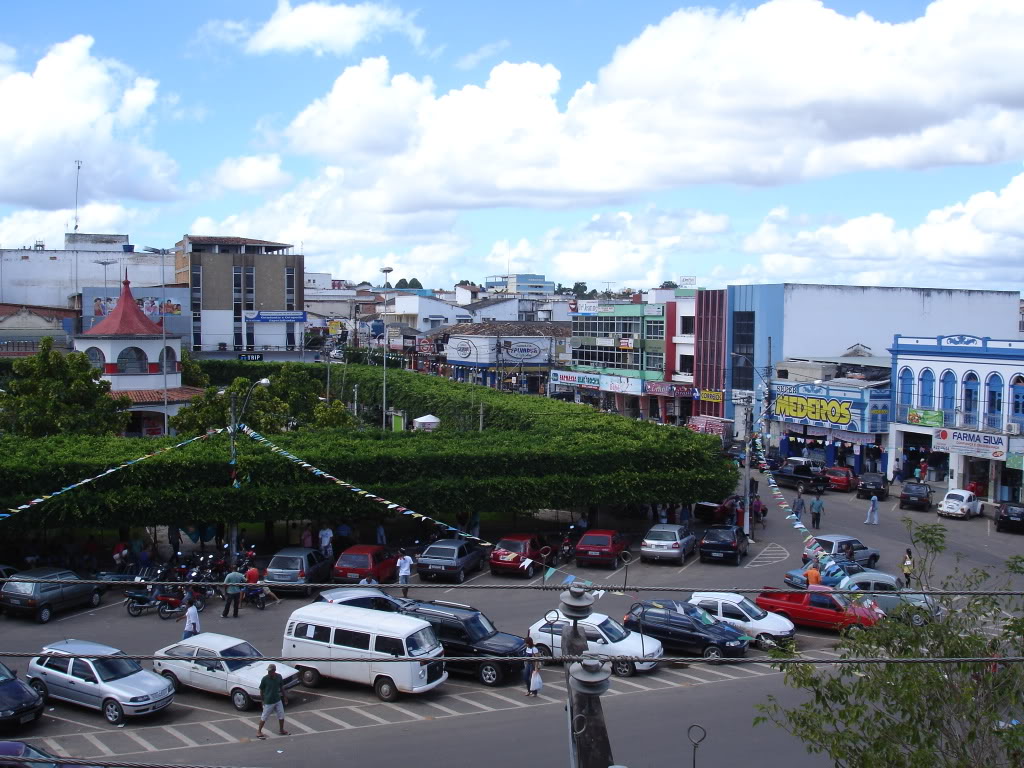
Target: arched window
{"points": [[168, 360], [927, 388], [96, 357], [970, 400], [132, 360], [948, 391], [1017, 399], [906, 391], [994, 398]]}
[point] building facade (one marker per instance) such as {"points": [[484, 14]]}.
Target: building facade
{"points": [[524, 284]]}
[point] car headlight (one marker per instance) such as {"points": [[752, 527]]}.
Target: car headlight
{"points": [[138, 699], [7, 713], [423, 672], [733, 643]]}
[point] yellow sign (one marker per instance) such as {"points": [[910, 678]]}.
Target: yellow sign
{"points": [[813, 408], [711, 395]]}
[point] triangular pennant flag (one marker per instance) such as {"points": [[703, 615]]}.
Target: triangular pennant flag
{"points": [[569, 579], [547, 574]]}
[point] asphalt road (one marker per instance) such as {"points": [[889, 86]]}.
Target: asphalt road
{"points": [[648, 714]]}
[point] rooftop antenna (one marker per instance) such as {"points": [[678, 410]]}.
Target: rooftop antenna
{"points": [[78, 172]]}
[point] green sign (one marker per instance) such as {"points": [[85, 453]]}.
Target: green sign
{"points": [[924, 418], [1015, 461]]}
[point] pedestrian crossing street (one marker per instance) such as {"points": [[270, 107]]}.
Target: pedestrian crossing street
{"points": [[197, 720]]}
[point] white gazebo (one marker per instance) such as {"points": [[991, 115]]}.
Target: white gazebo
{"points": [[426, 423]]}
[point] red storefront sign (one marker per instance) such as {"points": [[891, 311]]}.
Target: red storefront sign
{"points": [[667, 389]]}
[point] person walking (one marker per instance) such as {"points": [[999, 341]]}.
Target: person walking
{"points": [[817, 507], [872, 518], [382, 537], [804, 452], [233, 580], [753, 486], [531, 664], [908, 568], [404, 571], [326, 534], [273, 701], [191, 619], [897, 474], [307, 537], [798, 506]]}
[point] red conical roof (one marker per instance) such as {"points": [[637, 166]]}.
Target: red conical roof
{"points": [[126, 319]]}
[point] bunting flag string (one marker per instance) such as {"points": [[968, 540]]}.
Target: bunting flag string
{"points": [[110, 471], [524, 563]]}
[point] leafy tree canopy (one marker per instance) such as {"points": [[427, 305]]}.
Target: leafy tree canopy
{"points": [[464, 282], [668, 284], [191, 374], [212, 410], [333, 416], [416, 284], [51, 393], [293, 385], [579, 290], [403, 283]]}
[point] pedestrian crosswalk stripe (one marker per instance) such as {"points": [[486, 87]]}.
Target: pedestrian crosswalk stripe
{"points": [[103, 748], [140, 741]]}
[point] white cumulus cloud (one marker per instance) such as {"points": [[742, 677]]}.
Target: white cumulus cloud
{"points": [[25, 227], [251, 173]]}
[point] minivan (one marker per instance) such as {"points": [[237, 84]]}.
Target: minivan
{"points": [[327, 630], [295, 568]]}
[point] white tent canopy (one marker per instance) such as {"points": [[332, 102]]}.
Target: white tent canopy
{"points": [[427, 423]]}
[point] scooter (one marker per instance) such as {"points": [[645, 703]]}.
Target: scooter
{"points": [[253, 595], [139, 601], [567, 549], [174, 604]]}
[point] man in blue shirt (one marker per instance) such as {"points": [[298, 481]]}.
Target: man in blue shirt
{"points": [[233, 580]]}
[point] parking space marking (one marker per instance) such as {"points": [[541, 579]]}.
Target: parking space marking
{"points": [[53, 745], [308, 692], [201, 709], [716, 672], [506, 699], [219, 731], [139, 740], [69, 720], [688, 676], [179, 735], [372, 716], [103, 748], [467, 700], [442, 707], [404, 711], [332, 719], [482, 573], [695, 558], [86, 613], [770, 555], [630, 683], [294, 720]]}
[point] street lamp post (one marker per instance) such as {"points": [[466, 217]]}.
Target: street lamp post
{"points": [[105, 263], [384, 406], [236, 417]]}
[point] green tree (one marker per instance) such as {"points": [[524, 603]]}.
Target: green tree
{"points": [[919, 715], [579, 290], [403, 283], [416, 284], [51, 393], [191, 374], [464, 282], [212, 410], [668, 284], [297, 389], [333, 416]]}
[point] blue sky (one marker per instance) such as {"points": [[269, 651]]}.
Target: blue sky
{"points": [[842, 141]]}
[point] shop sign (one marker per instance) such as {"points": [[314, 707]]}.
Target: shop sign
{"points": [[814, 409], [606, 309], [425, 345], [981, 444], [275, 316], [706, 425], [605, 342], [463, 348], [654, 309], [687, 281], [626, 342], [924, 418], [586, 307], [622, 384], [709, 395], [571, 378], [521, 350], [667, 389]]}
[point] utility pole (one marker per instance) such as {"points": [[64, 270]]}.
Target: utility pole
{"points": [[748, 439], [481, 416]]}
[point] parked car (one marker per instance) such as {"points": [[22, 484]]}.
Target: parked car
{"points": [[514, 549], [831, 574], [1010, 517], [766, 628], [723, 542], [6, 571], [668, 542], [605, 636], [118, 688], [736, 453], [960, 503], [886, 592], [685, 627], [601, 547], [465, 631], [39, 757], [916, 496], [239, 677], [841, 479], [872, 484], [837, 545], [19, 702], [803, 478], [450, 559], [366, 560], [817, 607], [364, 598], [41, 601], [295, 568], [799, 461]]}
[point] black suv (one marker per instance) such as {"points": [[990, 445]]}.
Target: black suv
{"points": [[723, 542], [873, 484], [801, 477], [917, 496], [465, 631]]}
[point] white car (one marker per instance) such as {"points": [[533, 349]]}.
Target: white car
{"points": [[238, 678], [766, 628], [605, 636], [960, 503]]}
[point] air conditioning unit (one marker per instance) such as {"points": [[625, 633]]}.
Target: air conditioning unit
{"points": [[1012, 428]]}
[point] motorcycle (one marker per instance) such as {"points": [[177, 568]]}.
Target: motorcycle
{"points": [[139, 601], [567, 549], [253, 595], [174, 604]]}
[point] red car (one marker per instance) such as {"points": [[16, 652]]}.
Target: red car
{"points": [[841, 479], [817, 607], [362, 560], [513, 550], [601, 547]]}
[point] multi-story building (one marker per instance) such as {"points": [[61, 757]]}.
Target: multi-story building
{"points": [[525, 285], [245, 294], [958, 404]]}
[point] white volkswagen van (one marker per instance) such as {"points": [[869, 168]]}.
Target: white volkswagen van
{"points": [[326, 630]]}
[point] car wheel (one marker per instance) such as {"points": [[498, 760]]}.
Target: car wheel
{"points": [[872, 561], [309, 677], [999, 528], [624, 668], [173, 680], [308, 591], [460, 577], [94, 599], [489, 673], [901, 505], [241, 700], [39, 687], [545, 653], [916, 619], [643, 559], [43, 614], [113, 713], [530, 571], [764, 641], [385, 689], [712, 652]]}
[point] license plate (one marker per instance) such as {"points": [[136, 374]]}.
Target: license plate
{"points": [[593, 553], [15, 602], [26, 718], [353, 575], [436, 567], [1012, 517], [717, 554]]}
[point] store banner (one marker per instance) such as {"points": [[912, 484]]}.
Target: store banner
{"points": [[924, 418], [983, 445], [667, 389], [622, 384], [573, 379], [1015, 461]]}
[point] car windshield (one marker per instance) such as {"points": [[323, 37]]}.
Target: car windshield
{"points": [[954, 497], [1012, 510], [19, 587], [354, 561], [5, 674], [701, 615], [592, 540], [422, 642], [614, 631], [718, 534], [441, 553], [843, 602], [241, 655], [661, 535], [44, 762], [286, 563], [512, 545], [870, 478], [915, 489], [480, 627], [115, 669], [836, 473], [752, 610]]}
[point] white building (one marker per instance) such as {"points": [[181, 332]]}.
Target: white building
{"points": [[526, 285], [959, 405]]}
